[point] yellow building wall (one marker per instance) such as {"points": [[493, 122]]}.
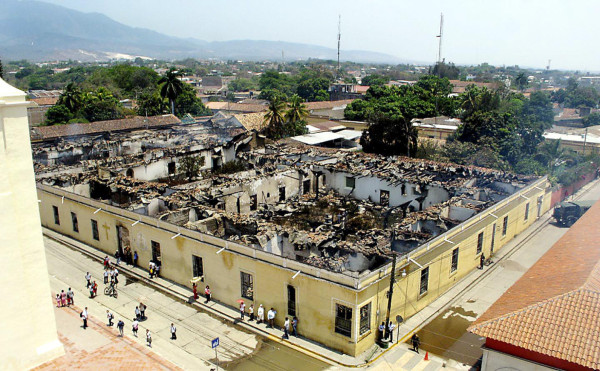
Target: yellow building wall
{"points": [[317, 291]]}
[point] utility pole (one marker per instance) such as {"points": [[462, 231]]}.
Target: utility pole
{"points": [[585, 140], [338, 45], [440, 36], [390, 293]]}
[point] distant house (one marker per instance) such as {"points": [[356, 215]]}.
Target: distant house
{"points": [[231, 108], [459, 87], [36, 112], [438, 128], [550, 318], [341, 91], [333, 109]]}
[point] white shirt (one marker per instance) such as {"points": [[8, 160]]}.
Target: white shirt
{"points": [[251, 309], [173, 329], [84, 314], [261, 311], [242, 307], [134, 324], [88, 276], [271, 314], [286, 324]]}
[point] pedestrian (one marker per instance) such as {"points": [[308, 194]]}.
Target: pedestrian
{"points": [[138, 313], [95, 288], [151, 269], [260, 314], [156, 270], [381, 331], [143, 311], [481, 261], [63, 298], [70, 297], [391, 328], [118, 257], [134, 326], [105, 277], [84, 315], [88, 278], [110, 317], [115, 276], [207, 293], [271, 318], [106, 262], [120, 326], [195, 290], [242, 310], [173, 332], [58, 300], [149, 338], [251, 312], [286, 328], [295, 326], [135, 258], [91, 291], [415, 341]]}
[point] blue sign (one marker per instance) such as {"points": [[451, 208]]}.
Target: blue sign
{"points": [[215, 343]]}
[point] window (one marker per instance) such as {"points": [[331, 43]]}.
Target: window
{"points": [[527, 211], [424, 280], [384, 198], [343, 320], [306, 186], [171, 168], [350, 182], [281, 194], [454, 264], [291, 292], [365, 319], [155, 251], [56, 216], [479, 243], [74, 222], [504, 225], [253, 202], [198, 269], [247, 285], [129, 173], [403, 189], [95, 234], [324, 180]]}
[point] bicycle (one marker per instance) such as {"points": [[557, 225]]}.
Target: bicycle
{"points": [[111, 291]]}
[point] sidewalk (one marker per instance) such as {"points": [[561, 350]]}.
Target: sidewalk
{"points": [[98, 347]]}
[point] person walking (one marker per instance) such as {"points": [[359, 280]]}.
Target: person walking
{"points": [[138, 313], [84, 315], [105, 276], [116, 276], [70, 297], [135, 258], [143, 311], [415, 341], [242, 310], [195, 290], [88, 278], [63, 298], [286, 328], [151, 269], [120, 326], [260, 318], [207, 294], [391, 328], [251, 312], [295, 326], [118, 257], [481, 261], [106, 262], [134, 326], [149, 338], [58, 300], [271, 318], [95, 289], [110, 317], [91, 291], [173, 332]]}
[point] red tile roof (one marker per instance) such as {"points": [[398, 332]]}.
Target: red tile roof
{"points": [[70, 130], [327, 104], [45, 101], [554, 309]]}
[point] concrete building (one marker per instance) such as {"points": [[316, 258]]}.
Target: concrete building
{"points": [[436, 128], [550, 318], [300, 229], [29, 335]]}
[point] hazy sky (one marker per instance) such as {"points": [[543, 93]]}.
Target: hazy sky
{"points": [[509, 32]]}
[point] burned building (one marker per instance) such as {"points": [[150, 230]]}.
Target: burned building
{"points": [[309, 231]]}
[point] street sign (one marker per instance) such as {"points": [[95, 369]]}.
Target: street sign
{"points": [[215, 343]]}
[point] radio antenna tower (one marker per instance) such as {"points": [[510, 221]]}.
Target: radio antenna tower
{"points": [[339, 37], [440, 36]]}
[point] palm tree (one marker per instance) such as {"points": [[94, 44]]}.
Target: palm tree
{"points": [[552, 154], [71, 98], [171, 86], [274, 118], [296, 110], [521, 81]]}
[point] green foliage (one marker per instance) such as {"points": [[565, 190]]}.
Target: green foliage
{"points": [[151, 104], [171, 86], [521, 81], [187, 102], [1, 70], [241, 84], [592, 119], [575, 96], [314, 89], [375, 79], [449, 71], [100, 105], [189, 166], [311, 84], [58, 114], [294, 117], [274, 119], [390, 135]]}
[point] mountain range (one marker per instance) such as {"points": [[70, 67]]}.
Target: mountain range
{"points": [[41, 31]]}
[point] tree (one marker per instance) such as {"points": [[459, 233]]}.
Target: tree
{"points": [[1, 70], [274, 119], [443, 70], [151, 104], [187, 102], [71, 98], [390, 135], [592, 120], [101, 105], [241, 84], [58, 114], [189, 166], [294, 117], [171, 86], [375, 79], [521, 81]]}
